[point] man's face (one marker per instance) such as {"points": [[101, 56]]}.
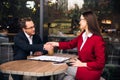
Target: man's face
{"points": [[30, 28]]}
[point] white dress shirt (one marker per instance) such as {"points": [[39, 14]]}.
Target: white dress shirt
{"points": [[30, 40], [85, 36]]}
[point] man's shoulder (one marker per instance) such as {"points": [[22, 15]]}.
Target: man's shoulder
{"points": [[20, 34]]}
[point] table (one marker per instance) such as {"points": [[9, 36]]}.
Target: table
{"points": [[34, 68]]}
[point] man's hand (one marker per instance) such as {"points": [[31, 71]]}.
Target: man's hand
{"points": [[54, 44], [37, 53], [48, 47]]}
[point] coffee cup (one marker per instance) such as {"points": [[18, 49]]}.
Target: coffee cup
{"points": [[51, 52]]}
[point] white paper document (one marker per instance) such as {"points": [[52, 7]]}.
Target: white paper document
{"points": [[50, 58]]}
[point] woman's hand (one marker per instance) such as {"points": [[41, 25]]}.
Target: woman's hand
{"points": [[48, 47], [77, 63], [54, 44]]}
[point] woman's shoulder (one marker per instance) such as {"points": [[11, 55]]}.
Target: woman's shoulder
{"points": [[98, 38]]}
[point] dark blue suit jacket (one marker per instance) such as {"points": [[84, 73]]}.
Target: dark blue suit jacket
{"points": [[22, 47]]}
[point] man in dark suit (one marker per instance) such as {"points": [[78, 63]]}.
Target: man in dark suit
{"points": [[27, 43], [1, 76]]}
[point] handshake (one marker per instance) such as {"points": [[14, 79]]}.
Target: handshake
{"points": [[49, 46]]}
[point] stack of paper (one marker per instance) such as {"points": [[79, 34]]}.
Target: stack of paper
{"points": [[50, 58]]}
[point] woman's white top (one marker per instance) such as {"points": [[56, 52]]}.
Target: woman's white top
{"points": [[84, 37]]}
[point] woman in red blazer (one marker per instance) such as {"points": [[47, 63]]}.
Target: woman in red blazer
{"points": [[91, 50]]}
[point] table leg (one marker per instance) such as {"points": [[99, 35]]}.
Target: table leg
{"points": [[33, 78], [52, 77], [29, 78]]}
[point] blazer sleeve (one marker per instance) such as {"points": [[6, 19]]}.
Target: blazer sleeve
{"points": [[22, 43], [69, 44]]}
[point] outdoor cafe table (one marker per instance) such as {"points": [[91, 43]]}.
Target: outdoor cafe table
{"points": [[34, 68]]}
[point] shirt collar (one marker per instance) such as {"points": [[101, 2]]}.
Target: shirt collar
{"points": [[89, 34], [28, 36]]}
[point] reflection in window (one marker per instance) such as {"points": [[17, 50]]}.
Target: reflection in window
{"points": [[30, 4], [72, 3]]}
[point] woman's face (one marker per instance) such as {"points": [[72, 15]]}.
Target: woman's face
{"points": [[83, 23]]}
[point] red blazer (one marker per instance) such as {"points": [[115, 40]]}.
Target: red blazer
{"points": [[93, 53]]}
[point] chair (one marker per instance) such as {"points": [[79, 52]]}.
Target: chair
{"points": [[4, 39]]}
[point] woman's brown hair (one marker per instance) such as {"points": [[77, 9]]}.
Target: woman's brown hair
{"points": [[92, 22]]}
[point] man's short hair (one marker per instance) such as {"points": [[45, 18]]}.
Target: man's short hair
{"points": [[22, 22]]}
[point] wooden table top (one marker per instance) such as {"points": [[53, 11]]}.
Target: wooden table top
{"points": [[34, 68]]}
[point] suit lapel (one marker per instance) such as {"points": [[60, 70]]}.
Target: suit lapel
{"points": [[24, 37], [85, 45]]}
